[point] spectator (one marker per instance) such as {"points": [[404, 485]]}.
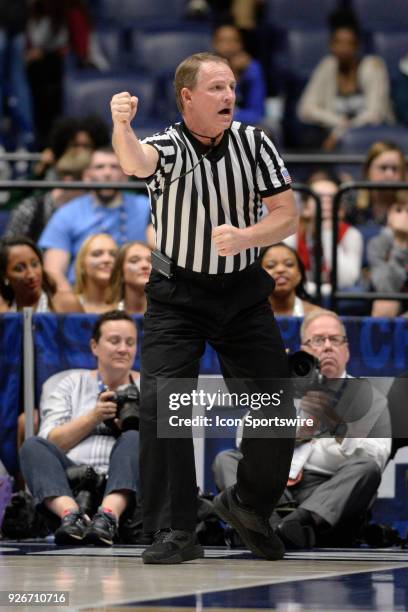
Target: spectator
{"points": [[24, 282], [345, 90], [289, 298], [129, 276], [72, 134], [334, 479], [122, 215], [75, 430], [385, 161], [349, 240], [388, 259], [32, 214], [47, 34], [93, 267], [13, 79], [251, 88], [69, 135]]}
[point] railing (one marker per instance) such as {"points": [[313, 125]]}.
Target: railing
{"points": [[123, 186], [358, 295], [44, 185]]}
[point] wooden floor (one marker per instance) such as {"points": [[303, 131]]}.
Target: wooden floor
{"points": [[114, 579]]}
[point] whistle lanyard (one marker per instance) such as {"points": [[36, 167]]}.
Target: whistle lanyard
{"points": [[101, 385]]}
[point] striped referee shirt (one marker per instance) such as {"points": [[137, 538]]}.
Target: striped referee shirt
{"points": [[191, 194]]}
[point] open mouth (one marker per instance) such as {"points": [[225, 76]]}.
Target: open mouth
{"points": [[225, 111]]}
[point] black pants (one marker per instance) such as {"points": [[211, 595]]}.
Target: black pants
{"points": [[232, 313]]}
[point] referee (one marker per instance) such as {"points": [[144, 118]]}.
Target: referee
{"points": [[208, 177]]}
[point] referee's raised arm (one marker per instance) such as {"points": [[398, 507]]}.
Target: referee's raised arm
{"points": [[135, 158]]}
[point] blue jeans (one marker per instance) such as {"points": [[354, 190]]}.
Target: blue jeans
{"points": [[13, 73], [43, 466]]}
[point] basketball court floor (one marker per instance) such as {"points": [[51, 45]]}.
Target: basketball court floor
{"points": [[332, 580]]}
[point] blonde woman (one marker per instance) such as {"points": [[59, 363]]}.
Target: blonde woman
{"points": [[129, 277], [93, 267]]}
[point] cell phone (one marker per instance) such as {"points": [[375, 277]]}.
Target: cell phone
{"points": [[162, 264]]}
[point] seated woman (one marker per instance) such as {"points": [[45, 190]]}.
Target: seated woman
{"points": [[349, 241], [385, 161], [25, 283], [251, 89], [388, 259], [345, 90], [93, 267], [289, 297], [129, 277]]}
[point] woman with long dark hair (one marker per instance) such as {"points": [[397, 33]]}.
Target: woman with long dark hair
{"points": [[25, 283]]}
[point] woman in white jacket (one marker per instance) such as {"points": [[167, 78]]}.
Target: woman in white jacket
{"points": [[345, 90]]}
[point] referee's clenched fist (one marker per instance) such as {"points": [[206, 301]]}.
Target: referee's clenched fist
{"points": [[123, 107]]}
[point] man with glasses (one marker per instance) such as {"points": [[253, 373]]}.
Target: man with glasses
{"points": [[335, 475]]}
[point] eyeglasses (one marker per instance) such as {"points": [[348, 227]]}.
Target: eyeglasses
{"points": [[319, 341], [392, 167]]}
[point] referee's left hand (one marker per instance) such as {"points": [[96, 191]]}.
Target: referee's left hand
{"points": [[229, 240]]}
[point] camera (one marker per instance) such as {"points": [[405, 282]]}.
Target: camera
{"points": [[127, 400], [305, 370]]}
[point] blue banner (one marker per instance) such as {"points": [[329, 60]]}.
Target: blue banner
{"points": [[11, 369]]}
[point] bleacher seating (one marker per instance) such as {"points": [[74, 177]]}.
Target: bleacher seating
{"points": [[158, 52], [141, 13], [391, 47], [85, 95], [359, 140], [299, 14], [383, 15]]}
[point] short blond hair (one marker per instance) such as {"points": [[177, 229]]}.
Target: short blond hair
{"points": [[316, 314], [187, 71]]}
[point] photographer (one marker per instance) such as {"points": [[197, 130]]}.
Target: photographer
{"points": [[334, 474], [80, 426], [335, 478]]}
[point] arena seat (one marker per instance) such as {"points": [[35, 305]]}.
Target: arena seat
{"points": [[305, 49], [381, 15], [160, 51], [92, 94], [129, 13], [391, 47], [359, 140], [300, 14]]}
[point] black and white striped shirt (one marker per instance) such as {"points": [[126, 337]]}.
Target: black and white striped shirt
{"points": [[227, 186]]}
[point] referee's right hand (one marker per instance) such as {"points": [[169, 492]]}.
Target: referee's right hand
{"points": [[123, 108]]}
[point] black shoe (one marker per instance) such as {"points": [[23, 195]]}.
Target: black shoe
{"points": [[103, 530], [296, 536], [173, 546], [73, 528], [253, 529]]}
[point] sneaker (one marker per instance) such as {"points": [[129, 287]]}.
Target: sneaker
{"points": [[296, 536], [73, 528], [253, 529], [173, 546], [103, 530]]}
